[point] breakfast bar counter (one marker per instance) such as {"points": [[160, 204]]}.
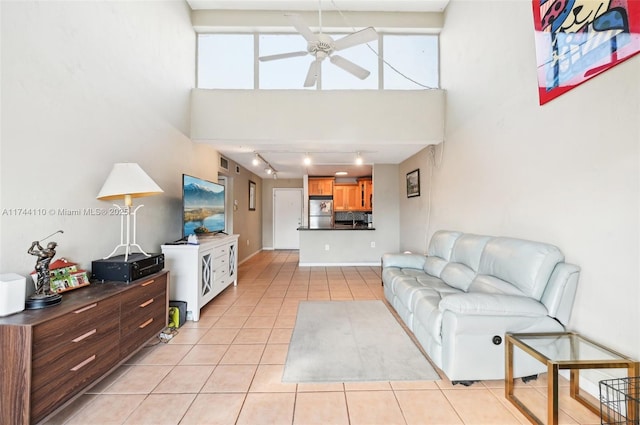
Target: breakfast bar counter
{"points": [[340, 245]]}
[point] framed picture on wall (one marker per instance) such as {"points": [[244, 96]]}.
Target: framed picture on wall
{"points": [[575, 41], [252, 196], [413, 183]]}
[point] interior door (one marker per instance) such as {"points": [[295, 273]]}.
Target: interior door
{"points": [[287, 217]]}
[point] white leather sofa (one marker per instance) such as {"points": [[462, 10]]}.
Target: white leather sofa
{"points": [[469, 290]]}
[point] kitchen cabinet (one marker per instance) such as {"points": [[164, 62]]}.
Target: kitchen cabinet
{"points": [[320, 186], [346, 197], [365, 194], [353, 196]]}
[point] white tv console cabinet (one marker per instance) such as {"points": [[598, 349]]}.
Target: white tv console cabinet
{"points": [[200, 272]]}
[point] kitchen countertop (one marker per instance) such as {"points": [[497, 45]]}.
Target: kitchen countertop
{"points": [[341, 227]]}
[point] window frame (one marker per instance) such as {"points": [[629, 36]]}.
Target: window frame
{"points": [[378, 47]]}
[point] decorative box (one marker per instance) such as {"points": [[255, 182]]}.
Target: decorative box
{"points": [[12, 293]]}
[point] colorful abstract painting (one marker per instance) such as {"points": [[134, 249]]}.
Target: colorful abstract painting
{"points": [[578, 39]]}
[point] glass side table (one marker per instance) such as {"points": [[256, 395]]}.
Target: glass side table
{"points": [[561, 350]]}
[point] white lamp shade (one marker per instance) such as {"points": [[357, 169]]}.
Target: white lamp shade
{"points": [[127, 178]]}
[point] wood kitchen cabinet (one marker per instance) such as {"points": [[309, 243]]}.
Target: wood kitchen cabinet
{"points": [[51, 355], [321, 186], [346, 197], [353, 196], [365, 194]]}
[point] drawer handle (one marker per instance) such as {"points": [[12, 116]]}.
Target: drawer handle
{"points": [[148, 282], [89, 307], [145, 324], [81, 337], [83, 364], [146, 303]]}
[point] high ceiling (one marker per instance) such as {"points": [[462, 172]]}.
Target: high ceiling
{"points": [[326, 159]]}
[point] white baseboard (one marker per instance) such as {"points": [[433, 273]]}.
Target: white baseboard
{"points": [[371, 264]]}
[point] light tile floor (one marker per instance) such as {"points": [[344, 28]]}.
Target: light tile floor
{"points": [[226, 368]]}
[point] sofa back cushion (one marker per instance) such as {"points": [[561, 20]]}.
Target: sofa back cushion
{"points": [[439, 253], [465, 260], [526, 265]]}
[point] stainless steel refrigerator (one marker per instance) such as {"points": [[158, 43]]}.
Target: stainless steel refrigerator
{"points": [[321, 212]]}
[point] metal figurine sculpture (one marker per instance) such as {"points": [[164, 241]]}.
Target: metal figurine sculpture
{"points": [[42, 265], [43, 296]]}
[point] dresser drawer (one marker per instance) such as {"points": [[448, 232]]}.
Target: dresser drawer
{"points": [[143, 292], [136, 330], [63, 330], [57, 384], [151, 309], [55, 364]]}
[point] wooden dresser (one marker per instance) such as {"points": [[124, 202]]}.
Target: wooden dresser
{"points": [[49, 356]]}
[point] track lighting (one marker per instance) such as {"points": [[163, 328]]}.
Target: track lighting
{"points": [[257, 159], [307, 160], [358, 159]]}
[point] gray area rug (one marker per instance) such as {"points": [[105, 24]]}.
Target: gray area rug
{"points": [[346, 341]]}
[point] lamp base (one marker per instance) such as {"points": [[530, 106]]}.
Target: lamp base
{"points": [[37, 301]]}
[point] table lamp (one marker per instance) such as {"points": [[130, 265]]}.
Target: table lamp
{"points": [[127, 180]]}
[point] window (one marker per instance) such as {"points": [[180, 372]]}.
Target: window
{"points": [[287, 73], [334, 77], [229, 60], [415, 56], [225, 61]]}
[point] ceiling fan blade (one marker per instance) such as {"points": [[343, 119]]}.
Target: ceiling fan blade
{"points": [[282, 56], [302, 27], [312, 74], [349, 66], [363, 36]]}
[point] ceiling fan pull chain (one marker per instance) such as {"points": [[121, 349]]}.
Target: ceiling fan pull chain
{"points": [[320, 14]]}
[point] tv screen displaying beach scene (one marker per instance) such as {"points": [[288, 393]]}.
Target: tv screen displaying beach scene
{"points": [[202, 206]]}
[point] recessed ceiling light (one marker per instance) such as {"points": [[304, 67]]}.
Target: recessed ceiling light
{"points": [[341, 173]]}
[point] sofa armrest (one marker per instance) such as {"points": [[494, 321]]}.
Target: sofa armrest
{"points": [[472, 303], [411, 261]]}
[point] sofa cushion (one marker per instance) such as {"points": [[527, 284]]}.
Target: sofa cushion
{"points": [[458, 275], [527, 265], [493, 305], [442, 242], [405, 260], [493, 285], [434, 266], [465, 259]]}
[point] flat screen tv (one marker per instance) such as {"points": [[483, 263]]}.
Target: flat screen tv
{"points": [[202, 206]]}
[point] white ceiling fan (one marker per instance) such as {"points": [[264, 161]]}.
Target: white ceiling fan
{"points": [[322, 46]]}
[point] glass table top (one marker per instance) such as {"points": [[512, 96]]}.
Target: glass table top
{"points": [[567, 347]]}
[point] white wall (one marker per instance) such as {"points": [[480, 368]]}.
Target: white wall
{"points": [[565, 173], [375, 116], [84, 85]]}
